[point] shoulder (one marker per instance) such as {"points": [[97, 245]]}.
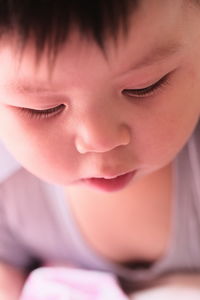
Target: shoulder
{"points": [[22, 191], [196, 135], [8, 165], [17, 185], [13, 175], [194, 147], [193, 161]]}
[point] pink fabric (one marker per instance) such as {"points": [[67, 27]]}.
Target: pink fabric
{"points": [[64, 283]]}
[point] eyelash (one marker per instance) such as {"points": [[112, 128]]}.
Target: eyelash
{"points": [[42, 114], [148, 91]]}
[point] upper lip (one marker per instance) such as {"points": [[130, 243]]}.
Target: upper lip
{"points": [[110, 176]]}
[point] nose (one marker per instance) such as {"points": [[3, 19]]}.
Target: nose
{"points": [[101, 134]]}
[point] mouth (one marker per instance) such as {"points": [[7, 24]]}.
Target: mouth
{"points": [[109, 183]]}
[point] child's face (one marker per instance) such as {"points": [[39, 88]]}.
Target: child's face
{"points": [[102, 131]]}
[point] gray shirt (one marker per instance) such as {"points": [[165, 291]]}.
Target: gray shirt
{"points": [[36, 222]]}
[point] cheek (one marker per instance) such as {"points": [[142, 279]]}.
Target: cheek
{"points": [[169, 121], [161, 138], [43, 152], [48, 160]]}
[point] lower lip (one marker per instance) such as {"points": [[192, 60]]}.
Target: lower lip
{"points": [[110, 185]]}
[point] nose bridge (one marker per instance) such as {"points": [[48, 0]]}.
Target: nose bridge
{"points": [[101, 130]]}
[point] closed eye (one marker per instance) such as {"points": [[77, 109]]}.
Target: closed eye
{"points": [[147, 91], [40, 114]]}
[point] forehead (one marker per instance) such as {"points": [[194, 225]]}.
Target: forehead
{"points": [[154, 32]]}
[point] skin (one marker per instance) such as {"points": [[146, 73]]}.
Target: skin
{"points": [[103, 132]]}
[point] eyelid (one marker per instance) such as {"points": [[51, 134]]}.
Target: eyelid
{"points": [[39, 114], [143, 92]]}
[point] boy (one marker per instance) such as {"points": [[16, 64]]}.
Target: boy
{"points": [[102, 109]]}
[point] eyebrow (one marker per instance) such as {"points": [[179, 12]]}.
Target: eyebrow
{"points": [[157, 54], [31, 88]]}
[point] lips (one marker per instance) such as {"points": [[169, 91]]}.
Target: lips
{"points": [[113, 184]]}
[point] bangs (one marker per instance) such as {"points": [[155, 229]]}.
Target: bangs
{"points": [[48, 22]]}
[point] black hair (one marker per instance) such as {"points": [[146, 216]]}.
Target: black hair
{"points": [[48, 22]]}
